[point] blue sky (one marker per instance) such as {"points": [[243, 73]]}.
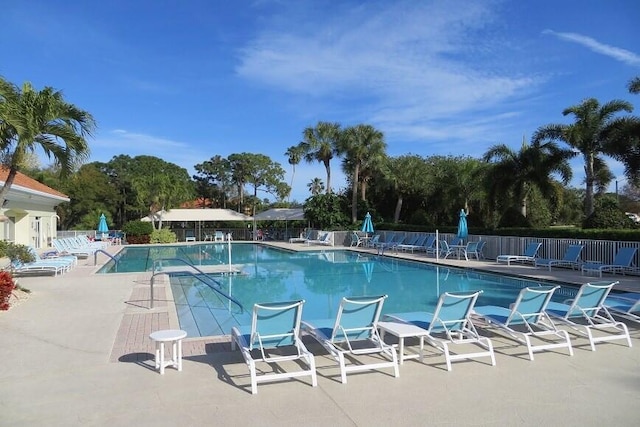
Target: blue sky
{"points": [[187, 80]]}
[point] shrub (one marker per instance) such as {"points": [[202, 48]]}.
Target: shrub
{"points": [[7, 285], [15, 252], [607, 214], [138, 232], [326, 211], [138, 228], [163, 236]]}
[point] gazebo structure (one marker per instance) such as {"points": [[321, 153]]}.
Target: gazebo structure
{"points": [[281, 214], [185, 221]]}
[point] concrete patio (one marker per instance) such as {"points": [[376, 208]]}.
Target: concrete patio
{"points": [[77, 353]]}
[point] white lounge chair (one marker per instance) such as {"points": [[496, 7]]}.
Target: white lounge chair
{"points": [[427, 245], [622, 262], [626, 304], [570, 258], [445, 249], [450, 324], [84, 241], [273, 326], [67, 261], [527, 320], [529, 255], [393, 239], [354, 332], [66, 247], [18, 267], [323, 239], [373, 241], [417, 243], [587, 313], [475, 249], [356, 240], [302, 238]]}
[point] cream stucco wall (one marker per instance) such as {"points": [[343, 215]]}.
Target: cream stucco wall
{"points": [[29, 224]]}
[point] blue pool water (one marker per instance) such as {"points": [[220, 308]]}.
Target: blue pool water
{"points": [[320, 278]]}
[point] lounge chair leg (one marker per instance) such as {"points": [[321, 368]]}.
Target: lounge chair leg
{"points": [[590, 336], [493, 355], [566, 337], [254, 378], [446, 356], [396, 368], [343, 368], [626, 331], [312, 366], [528, 341]]}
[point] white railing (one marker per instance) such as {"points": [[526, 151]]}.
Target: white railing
{"points": [[593, 250]]}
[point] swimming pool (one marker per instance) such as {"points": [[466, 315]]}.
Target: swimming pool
{"points": [[320, 278]]}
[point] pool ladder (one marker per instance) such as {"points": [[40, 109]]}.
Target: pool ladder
{"points": [[215, 286], [95, 257]]}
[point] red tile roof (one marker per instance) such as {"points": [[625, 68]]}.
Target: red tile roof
{"points": [[24, 181]]}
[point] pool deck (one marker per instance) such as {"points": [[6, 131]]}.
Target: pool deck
{"points": [[77, 353]]}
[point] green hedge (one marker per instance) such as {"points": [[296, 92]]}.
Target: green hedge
{"points": [[137, 228]]}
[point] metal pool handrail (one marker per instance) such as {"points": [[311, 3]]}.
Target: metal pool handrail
{"points": [[215, 288], [95, 257]]}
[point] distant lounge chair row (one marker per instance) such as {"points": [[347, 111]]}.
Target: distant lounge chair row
{"points": [[623, 261], [79, 246], [426, 243], [531, 320]]}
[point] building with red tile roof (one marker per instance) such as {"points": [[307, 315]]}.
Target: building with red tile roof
{"points": [[29, 211]]}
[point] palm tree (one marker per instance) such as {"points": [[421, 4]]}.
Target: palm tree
{"points": [[518, 172], [316, 186], [624, 140], [32, 120], [319, 145], [588, 135], [634, 85], [359, 144], [294, 153], [407, 176], [373, 166]]}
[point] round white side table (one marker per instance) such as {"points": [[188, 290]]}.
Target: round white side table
{"points": [[174, 336]]}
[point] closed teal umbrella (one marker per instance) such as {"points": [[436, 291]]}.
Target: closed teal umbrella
{"points": [[102, 225], [463, 231], [367, 224]]}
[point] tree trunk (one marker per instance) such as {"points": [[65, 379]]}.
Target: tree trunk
{"points": [[327, 166], [523, 207], [160, 220], [588, 170], [396, 214], [354, 195], [363, 190], [293, 174]]}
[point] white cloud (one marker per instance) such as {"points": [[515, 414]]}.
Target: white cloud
{"points": [[414, 63], [616, 53]]}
